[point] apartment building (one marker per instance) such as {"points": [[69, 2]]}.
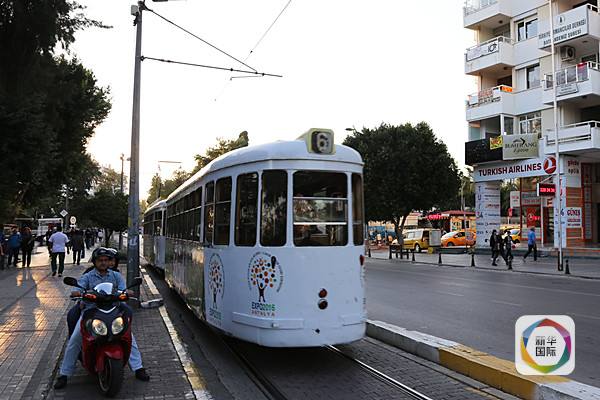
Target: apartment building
{"points": [[511, 118]]}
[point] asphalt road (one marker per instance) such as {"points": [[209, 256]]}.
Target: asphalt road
{"points": [[479, 308]]}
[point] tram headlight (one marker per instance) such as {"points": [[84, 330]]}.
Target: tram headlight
{"points": [[323, 304], [99, 327], [323, 293], [117, 326]]}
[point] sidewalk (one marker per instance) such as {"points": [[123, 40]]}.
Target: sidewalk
{"points": [[581, 268], [33, 307]]}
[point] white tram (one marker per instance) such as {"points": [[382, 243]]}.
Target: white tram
{"points": [[266, 243], [154, 241]]}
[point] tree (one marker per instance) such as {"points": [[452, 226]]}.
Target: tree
{"points": [[406, 168], [223, 146], [49, 105], [162, 189], [108, 210], [109, 180]]}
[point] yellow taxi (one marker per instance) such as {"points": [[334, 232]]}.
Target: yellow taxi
{"points": [[416, 239], [459, 238]]}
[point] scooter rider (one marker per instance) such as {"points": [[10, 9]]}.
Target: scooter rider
{"points": [[101, 273]]}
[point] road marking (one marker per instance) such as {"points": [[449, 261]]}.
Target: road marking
{"points": [[506, 303], [451, 294], [194, 376], [584, 316], [492, 283]]}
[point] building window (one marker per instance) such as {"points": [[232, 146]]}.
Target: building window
{"points": [[531, 124], [246, 209], [273, 216], [533, 76], [222, 211], [209, 212], [527, 29]]}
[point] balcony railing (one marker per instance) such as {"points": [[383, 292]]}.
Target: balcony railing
{"points": [[472, 6], [572, 74], [487, 96], [488, 47], [576, 135]]}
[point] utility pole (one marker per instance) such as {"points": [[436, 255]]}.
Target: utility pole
{"points": [[558, 200], [133, 242], [122, 191]]}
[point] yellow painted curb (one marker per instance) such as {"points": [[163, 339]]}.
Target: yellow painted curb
{"points": [[498, 373]]}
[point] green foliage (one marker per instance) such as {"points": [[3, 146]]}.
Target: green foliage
{"points": [[223, 146], [406, 168], [110, 180], [49, 106], [162, 189], [108, 210]]}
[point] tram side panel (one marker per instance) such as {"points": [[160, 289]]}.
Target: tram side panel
{"points": [[148, 248], [159, 244], [270, 296]]}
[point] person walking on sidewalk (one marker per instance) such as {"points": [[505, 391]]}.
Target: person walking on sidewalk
{"points": [[59, 241], [495, 246], [27, 242], [507, 247], [14, 247], [2, 245], [78, 246], [531, 245]]}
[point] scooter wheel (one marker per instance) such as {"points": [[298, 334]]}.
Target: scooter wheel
{"points": [[111, 378]]}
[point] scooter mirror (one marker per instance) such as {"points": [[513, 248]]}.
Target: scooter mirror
{"points": [[69, 280]]}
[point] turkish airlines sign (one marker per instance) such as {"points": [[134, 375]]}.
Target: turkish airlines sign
{"points": [[520, 169]]}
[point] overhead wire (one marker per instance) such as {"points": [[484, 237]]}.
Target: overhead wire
{"points": [[256, 73], [199, 38], [255, 46]]}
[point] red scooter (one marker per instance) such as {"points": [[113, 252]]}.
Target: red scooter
{"points": [[106, 333]]}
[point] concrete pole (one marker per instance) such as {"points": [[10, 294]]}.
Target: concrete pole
{"points": [[122, 191], [558, 201], [133, 243]]}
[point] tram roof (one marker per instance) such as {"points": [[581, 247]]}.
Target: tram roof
{"points": [[160, 203], [281, 150]]}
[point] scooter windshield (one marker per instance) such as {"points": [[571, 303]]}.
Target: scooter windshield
{"points": [[104, 287]]}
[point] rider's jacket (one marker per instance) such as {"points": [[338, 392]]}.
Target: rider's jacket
{"points": [[91, 279]]}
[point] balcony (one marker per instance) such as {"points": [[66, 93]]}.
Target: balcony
{"points": [[578, 84], [490, 102], [492, 56], [578, 139], [485, 13], [580, 22]]}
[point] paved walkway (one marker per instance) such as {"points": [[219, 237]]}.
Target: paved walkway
{"points": [[582, 268], [33, 307]]}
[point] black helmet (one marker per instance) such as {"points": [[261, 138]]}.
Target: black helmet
{"points": [[103, 252]]}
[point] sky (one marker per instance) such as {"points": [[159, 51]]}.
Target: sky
{"points": [[345, 63]]}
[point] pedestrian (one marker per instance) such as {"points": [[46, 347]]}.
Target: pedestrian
{"points": [[78, 246], [495, 246], [59, 241], [2, 245], [507, 243], [88, 238], [100, 236], [27, 242], [48, 234], [14, 247], [531, 245]]}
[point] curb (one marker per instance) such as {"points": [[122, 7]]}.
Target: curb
{"points": [[495, 372]]}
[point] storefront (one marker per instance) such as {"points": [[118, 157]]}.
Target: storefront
{"points": [[537, 209], [452, 221]]}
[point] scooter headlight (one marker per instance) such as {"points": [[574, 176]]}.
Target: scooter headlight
{"points": [[117, 326], [99, 327]]}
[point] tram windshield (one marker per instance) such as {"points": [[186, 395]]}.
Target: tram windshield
{"points": [[320, 208]]}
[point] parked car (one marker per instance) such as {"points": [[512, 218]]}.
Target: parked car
{"points": [[459, 238], [416, 239]]}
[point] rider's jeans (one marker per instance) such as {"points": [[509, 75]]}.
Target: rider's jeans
{"points": [[69, 362]]}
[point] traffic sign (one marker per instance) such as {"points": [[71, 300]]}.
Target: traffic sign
{"points": [[64, 213], [73, 220]]}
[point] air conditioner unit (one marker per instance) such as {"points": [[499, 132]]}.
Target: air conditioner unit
{"points": [[567, 53]]}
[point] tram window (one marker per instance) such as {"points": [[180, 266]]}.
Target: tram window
{"points": [[245, 214], [320, 208], [197, 213], [222, 211], [274, 208], [357, 210], [209, 212]]}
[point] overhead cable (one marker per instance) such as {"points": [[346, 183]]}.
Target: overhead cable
{"points": [[253, 72]]}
